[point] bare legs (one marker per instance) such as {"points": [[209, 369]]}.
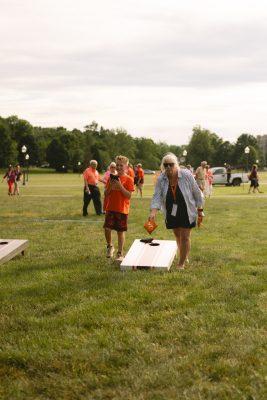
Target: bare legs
{"points": [[183, 239], [108, 236], [121, 239]]}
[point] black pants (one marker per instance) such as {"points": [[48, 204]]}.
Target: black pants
{"points": [[95, 196]]}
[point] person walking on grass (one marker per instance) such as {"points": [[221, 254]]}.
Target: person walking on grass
{"points": [[140, 179], [201, 175], [18, 175], [254, 179], [10, 177], [91, 190], [118, 192], [178, 195]]}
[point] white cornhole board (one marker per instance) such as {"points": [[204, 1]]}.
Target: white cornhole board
{"points": [[9, 248], [142, 255]]}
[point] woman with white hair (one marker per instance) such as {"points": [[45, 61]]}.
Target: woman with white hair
{"points": [[181, 200]]}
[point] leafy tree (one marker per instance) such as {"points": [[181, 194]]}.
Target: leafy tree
{"points": [[57, 155], [239, 157], [223, 154], [147, 153], [8, 151], [201, 146]]}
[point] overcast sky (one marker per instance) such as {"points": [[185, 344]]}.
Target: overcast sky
{"points": [[154, 67]]}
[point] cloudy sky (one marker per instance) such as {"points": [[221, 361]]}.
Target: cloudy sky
{"points": [[154, 67]]}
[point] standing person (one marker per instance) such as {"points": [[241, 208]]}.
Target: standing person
{"points": [[254, 179], [178, 194], [118, 192], [189, 167], [10, 177], [201, 175], [208, 182], [18, 174], [228, 173], [91, 190], [110, 170], [140, 180], [130, 171]]}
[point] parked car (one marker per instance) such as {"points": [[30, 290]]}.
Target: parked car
{"points": [[220, 177], [149, 171]]}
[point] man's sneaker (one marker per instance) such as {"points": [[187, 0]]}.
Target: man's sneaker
{"points": [[110, 251], [119, 257]]}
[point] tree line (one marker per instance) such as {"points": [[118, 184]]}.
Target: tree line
{"points": [[72, 150]]}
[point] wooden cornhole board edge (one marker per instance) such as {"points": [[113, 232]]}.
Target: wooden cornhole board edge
{"points": [[11, 249], [143, 256]]}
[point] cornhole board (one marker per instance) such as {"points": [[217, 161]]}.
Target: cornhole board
{"points": [[10, 248], [158, 255]]}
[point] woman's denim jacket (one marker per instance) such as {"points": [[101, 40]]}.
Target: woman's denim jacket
{"points": [[192, 194]]}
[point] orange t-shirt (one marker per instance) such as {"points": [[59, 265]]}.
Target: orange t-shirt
{"points": [[130, 172], [141, 175], [91, 175], [116, 201]]}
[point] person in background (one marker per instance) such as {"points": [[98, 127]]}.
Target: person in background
{"points": [[118, 191], [228, 173], [155, 177], [208, 182], [254, 179], [181, 200], [91, 190], [200, 175], [130, 171], [10, 177], [110, 170], [18, 174], [141, 178], [189, 167]]}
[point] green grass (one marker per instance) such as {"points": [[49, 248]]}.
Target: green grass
{"points": [[75, 327]]}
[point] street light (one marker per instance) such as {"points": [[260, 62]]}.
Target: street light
{"points": [[183, 159], [27, 159], [23, 150], [247, 150]]}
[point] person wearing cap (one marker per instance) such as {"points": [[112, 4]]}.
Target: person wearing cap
{"points": [[91, 190], [181, 201]]}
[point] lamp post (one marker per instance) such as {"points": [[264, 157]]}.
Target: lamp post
{"points": [[247, 150], [23, 150], [184, 155], [27, 159]]}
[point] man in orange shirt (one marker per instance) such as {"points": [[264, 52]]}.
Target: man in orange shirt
{"points": [[118, 190], [140, 181], [91, 190]]}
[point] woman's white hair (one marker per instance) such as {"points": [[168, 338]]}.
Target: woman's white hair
{"points": [[169, 157]]}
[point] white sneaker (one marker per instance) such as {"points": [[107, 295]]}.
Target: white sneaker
{"points": [[110, 251], [119, 257]]}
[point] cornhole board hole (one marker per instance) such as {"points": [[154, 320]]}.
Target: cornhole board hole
{"points": [[157, 255], [10, 248]]}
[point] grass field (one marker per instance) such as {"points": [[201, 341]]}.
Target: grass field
{"points": [[73, 326]]}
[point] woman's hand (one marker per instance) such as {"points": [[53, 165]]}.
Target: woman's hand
{"points": [[200, 215], [152, 215]]}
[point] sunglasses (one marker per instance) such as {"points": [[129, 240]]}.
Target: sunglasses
{"points": [[170, 164]]}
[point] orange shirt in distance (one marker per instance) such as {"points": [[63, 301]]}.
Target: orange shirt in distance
{"points": [[141, 174], [91, 175], [130, 172], [116, 200]]}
